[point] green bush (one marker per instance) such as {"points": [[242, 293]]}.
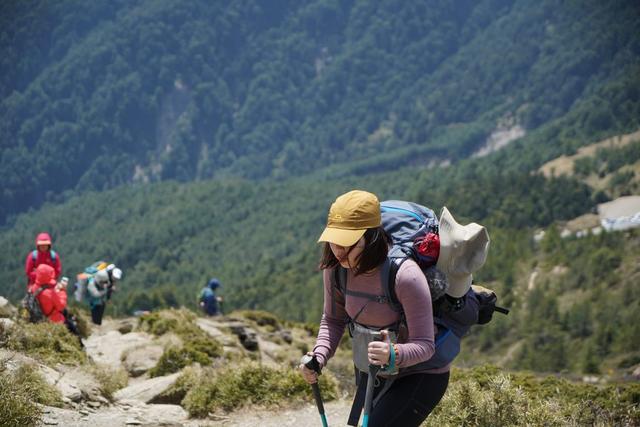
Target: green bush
{"points": [[187, 379], [196, 340], [499, 402], [109, 379], [247, 384], [485, 396], [175, 358], [50, 343], [17, 404], [160, 322], [262, 318], [41, 391], [197, 345]]}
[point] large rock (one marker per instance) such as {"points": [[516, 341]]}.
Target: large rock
{"points": [[248, 337], [126, 326], [148, 390], [6, 309], [67, 387], [107, 348], [72, 383], [139, 360], [212, 327], [6, 323]]}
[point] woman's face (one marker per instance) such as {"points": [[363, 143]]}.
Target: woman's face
{"points": [[348, 256]]}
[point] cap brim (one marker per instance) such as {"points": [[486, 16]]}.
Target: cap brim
{"points": [[53, 282], [341, 236]]}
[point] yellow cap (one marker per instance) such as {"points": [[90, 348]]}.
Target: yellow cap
{"points": [[350, 216]]}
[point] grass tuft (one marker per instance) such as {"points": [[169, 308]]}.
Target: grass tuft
{"points": [[47, 342], [485, 396], [110, 379], [261, 318], [197, 345], [21, 392], [247, 384]]}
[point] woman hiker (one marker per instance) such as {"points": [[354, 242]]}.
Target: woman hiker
{"points": [[43, 254], [355, 240]]}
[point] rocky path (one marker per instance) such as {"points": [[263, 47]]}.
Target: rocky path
{"points": [[133, 413], [115, 345], [336, 412]]}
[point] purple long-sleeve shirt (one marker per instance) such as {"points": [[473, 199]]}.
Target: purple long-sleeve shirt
{"points": [[413, 293]]}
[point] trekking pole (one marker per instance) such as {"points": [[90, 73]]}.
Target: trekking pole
{"points": [[368, 397], [312, 363]]}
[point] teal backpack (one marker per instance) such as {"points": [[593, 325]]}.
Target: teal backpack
{"points": [[82, 279]]}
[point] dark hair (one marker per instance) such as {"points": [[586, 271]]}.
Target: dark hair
{"points": [[376, 248]]}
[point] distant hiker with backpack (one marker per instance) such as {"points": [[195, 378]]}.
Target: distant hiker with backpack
{"points": [[43, 254], [51, 298], [208, 300], [46, 299], [393, 331], [100, 286]]}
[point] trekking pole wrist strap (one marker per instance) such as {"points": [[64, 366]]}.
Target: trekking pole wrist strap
{"points": [[392, 358]]}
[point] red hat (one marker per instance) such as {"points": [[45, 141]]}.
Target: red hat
{"points": [[45, 275], [43, 239]]}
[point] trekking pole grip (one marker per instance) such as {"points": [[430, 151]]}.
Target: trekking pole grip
{"points": [[312, 363]]}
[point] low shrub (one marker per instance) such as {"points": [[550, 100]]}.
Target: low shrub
{"points": [[109, 379], [40, 390], [262, 318], [197, 345], [187, 379], [485, 396], [195, 339], [17, 406], [175, 358], [247, 384], [50, 343], [160, 322]]}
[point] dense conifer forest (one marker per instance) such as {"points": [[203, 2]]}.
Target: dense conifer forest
{"points": [[198, 139]]}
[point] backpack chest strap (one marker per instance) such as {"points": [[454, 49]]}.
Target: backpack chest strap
{"points": [[388, 272], [382, 299]]}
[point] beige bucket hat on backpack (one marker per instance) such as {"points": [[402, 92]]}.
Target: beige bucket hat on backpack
{"points": [[463, 250]]}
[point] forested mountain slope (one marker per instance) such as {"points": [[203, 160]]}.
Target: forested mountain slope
{"points": [[260, 240], [98, 94]]}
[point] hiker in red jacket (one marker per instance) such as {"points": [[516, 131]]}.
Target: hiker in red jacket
{"points": [[52, 300], [43, 254]]}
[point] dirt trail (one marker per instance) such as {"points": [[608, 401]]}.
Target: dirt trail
{"points": [[106, 345], [125, 414], [336, 412]]}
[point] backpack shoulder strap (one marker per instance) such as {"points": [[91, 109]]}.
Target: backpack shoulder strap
{"points": [[39, 291], [389, 285], [339, 283], [52, 253], [339, 278]]}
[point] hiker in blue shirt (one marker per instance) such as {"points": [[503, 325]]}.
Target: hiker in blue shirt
{"points": [[208, 299]]}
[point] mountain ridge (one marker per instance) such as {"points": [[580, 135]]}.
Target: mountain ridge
{"points": [[441, 77]]}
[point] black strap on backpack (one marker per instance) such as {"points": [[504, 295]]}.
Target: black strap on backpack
{"points": [[30, 302], [339, 283]]}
